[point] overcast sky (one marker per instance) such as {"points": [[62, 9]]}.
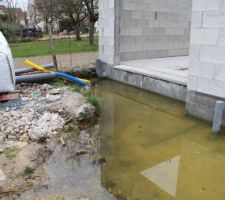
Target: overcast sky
{"points": [[22, 4]]}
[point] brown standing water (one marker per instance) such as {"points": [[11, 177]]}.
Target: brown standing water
{"points": [[154, 150]]}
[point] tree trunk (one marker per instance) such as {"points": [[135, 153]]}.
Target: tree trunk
{"points": [[21, 31], [91, 33], [52, 46], [78, 38], [46, 26]]}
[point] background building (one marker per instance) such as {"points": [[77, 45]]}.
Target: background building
{"points": [[35, 18]]}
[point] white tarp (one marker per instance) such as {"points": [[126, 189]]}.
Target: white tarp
{"points": [[7, 73]]}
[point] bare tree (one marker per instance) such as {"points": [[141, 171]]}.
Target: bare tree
{"points": [[75, 11], [34, 16], [92, 11], [11, 6], [48, 10]]}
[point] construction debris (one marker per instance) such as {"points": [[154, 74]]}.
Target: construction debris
{"points": [[40, 112], [40, 115]]}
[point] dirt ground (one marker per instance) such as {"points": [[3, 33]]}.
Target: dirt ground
{"points": [[64, 61]]}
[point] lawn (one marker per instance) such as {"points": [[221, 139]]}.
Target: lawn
{"points": [[62, 46]]}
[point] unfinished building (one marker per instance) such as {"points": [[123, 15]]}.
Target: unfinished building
{"points": [[175, 48]]}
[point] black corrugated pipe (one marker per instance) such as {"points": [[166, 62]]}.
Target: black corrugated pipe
{"points": [[34, 78]]}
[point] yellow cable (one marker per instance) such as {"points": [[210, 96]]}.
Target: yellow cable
{"points": [[42, 69]]}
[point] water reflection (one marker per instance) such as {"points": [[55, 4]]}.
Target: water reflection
{"points": [[70, 175], [154, 151]]}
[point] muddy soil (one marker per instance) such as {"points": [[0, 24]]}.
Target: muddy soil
{"points": [[33, 156]]}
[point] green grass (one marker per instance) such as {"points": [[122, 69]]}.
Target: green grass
{"points": [[27, 171], [37, 48], [10, 152], [57, 83], [94, 101], [85, 72]]}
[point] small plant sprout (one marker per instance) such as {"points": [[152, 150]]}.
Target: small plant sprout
{"points": [[94, 101], [27, 171]]}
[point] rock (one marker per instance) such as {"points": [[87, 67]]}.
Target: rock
{"points": [[84, 112], [12, 137], [55, 91], [2, 137], [25, 98], [98, 159], [37, 134], [26, 128], [80, 152], [54, 95], [30, 116], [46, 87], [2, 176], [2, 128], [24, 138], [53, 98], [45, 126]]}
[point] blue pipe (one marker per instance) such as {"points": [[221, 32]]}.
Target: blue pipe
{"points": [[71, 78]]}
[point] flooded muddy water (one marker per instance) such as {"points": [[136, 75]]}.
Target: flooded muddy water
{"points": [[154, 150], [70, 176]]}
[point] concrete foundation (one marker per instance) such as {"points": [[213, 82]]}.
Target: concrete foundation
{"points": [[202, 106], [144, 81]]}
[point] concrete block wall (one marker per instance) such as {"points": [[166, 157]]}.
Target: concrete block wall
{"points": [[107, 31], [154, 28], [207, 51]]}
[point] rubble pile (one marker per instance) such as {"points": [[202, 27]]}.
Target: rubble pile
{"points": [[46, 109], [20, 125], [34, 126], [32, 90]]}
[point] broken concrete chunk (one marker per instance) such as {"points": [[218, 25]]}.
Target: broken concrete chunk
{"points": [[53, 98], [45, 126], [54, 94]]}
